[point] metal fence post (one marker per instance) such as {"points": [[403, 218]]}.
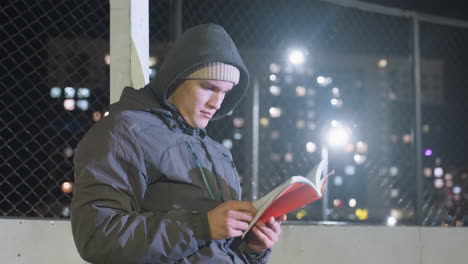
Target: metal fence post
{"points": [[418, 122]]}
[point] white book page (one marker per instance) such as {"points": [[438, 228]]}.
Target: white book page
{"points": [[315, 176]]}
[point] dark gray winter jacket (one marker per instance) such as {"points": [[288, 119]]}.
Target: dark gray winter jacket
{"points": [[144, 180]]}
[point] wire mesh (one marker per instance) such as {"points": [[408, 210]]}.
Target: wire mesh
{"points": [[357, 75], [355, 80], [444, 127], [54, 82]]}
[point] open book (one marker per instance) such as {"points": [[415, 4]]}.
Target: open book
{"points": [[291, 195]]}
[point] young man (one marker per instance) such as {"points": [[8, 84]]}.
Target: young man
{"points": [[151, 186]]}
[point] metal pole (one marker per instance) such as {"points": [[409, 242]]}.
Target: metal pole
{"points": [[418, 120], [324, 156], [176, 19], [255, 138]]}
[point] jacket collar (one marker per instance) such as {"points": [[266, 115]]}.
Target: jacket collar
{"points": [[175, 122]]}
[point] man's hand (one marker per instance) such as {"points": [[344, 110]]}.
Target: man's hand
{"points": [[265, 235], [230, 219]]}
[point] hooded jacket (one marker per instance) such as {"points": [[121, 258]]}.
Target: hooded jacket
{"points": [[145, 180]]}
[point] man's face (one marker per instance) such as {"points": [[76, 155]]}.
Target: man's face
{"points": [[198, 100]]}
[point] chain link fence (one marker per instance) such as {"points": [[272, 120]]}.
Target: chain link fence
{"points": [[55, 85], [444, 128], [357, 76], [351, 75]]}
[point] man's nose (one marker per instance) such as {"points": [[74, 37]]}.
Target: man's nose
{"points": [[216, 100]]}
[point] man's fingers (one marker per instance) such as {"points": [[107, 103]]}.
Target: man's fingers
{"points": [[239, 215], [235, 233], [269, 232], [239, 225], [281, 218], [261, 236]]}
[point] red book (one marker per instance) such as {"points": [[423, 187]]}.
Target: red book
{"points": [[293, 194]]}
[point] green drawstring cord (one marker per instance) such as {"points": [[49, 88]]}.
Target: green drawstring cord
{"points": [[214, 170], [201, 170]]}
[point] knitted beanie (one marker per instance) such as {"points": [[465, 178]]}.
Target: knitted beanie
{"points": [[214, 71]]}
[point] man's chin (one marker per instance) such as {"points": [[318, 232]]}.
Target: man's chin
{"points": [[201, 125]]}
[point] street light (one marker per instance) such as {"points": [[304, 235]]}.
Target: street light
{"points": [[296, 56], [338, 136]]}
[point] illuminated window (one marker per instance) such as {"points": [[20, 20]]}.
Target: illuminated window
{"points": [[311, 126], [300, 123], [275, 68], [227, 143], [427, 152], [438, 172], [337, 202], [338, 180], [324, 81], [448, 176], [67, 187], [336, 91], [275, 90], [264, 121], [311, 147], [55, 92], [107, 59], [407, 138], [350, 170], [275, 135], [426, 128], [394, 193], [238, 122], [153, 61], [69, 104], [359, 159], [361, 147], [82, 104], [70, 92], [300, 91], [68, 152], [83, 93], [275, 112], [427, 172], [438, 183], [97, 116], [275, 156], [237, 136], [382, 63]]}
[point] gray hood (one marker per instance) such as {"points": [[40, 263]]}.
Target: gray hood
{"points": [[197, 46]]}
